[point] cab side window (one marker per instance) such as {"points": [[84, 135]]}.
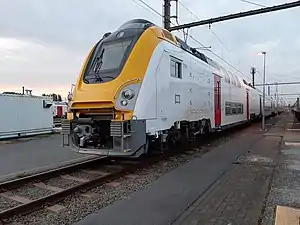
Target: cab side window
{"points": [[176, 68]]}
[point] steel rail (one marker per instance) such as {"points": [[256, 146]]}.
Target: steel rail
{"points": [[49, 173], [51, 199]]}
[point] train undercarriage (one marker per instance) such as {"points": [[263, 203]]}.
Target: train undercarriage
{"points": [[98, 136]]}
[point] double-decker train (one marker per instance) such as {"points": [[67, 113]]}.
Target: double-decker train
{"points": [[142, 85]]}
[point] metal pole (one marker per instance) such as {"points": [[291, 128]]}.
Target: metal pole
{"points": [[167, 14], [277, 98], [264, 95], [253, 71]]}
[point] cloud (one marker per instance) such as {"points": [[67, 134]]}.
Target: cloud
{"points": [[41, 66], [43, 43]]}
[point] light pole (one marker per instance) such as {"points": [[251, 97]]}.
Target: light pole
{"points": [[264, 95], [277, 98]]}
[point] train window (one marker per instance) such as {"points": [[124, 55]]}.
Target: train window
{"points": [[227, 78], [230, 77], [239, 108], [232, 108], [233, 78], [215, 65], [110, 56], [238, 81], [176, 68], [227, 109]]}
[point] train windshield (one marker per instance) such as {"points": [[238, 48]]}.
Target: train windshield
{"points": [[107, 60]]}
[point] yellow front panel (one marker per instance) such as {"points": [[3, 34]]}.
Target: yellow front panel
{"points": [[102, 95]]}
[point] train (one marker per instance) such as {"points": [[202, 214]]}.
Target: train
{"points": [[142, 86], [59, 109]]}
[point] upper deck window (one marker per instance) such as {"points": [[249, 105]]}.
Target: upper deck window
{"points": [[238, 83], [232, 78]]}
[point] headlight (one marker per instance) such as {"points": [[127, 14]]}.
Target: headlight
{"points": [[124, 102], [128, 94]]}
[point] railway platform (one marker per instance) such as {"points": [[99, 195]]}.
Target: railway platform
{"points": [[20, 157], [242, 181]]}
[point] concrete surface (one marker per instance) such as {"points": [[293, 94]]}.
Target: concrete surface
{"points": [[285, 188], [238, 197], [30, 155], [173, 193]]}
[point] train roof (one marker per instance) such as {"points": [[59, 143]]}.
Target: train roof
{"points": [[144, 24], [209, 61]]}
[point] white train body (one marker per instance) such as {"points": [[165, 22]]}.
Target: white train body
{"points": [[162, 90], [165, 98]]}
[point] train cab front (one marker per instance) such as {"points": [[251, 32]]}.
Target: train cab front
{"points": [[101, 134], [104, 98]]}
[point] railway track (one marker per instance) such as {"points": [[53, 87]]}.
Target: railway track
{"points": [[89, 174], [76, 178], [83, 176]]}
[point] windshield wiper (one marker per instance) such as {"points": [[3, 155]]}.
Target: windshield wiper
{"points": [[108, 77], [97, 78], [98, 62]]}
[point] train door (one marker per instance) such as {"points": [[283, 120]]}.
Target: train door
{"points": [[247, 105], [59, 111], [217, 100]]}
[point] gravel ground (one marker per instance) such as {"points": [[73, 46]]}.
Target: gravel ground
{"points": [[7, 203], [31, 192], [61, 183], [110, 168], [83, 175], [285, 188], [77, 206]]}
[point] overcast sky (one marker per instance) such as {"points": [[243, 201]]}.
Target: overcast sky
{"points": [[43, 43]]}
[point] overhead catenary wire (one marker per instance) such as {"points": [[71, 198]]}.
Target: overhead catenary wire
{"points": [[219, 39], [253, 3], [144, 7], [190, 36], [219, 57], [156, 13], [150, 7], [214, 33], [287, 5], [263, 10]]}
